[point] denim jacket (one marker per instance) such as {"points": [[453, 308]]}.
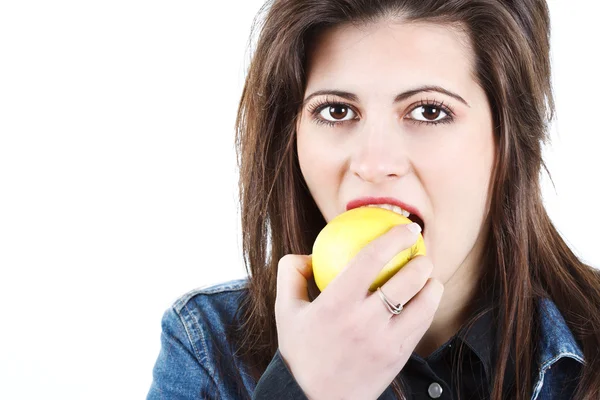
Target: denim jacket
{"points": [[193, 332]]}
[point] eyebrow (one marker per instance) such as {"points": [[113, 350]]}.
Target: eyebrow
{"points": [[398, 98]]}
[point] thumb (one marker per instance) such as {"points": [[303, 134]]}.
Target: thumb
{"points": [[293, 273]]}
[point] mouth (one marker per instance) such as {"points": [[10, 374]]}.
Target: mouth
{"points": [[390, 203], [413, 217]]}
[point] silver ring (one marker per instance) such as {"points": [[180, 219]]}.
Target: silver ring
{"points": [[394, 309]]}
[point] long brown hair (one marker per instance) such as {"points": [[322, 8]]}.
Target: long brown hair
{"points": [[525, 258]]}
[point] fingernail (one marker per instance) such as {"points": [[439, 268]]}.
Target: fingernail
{"points": [[414, 227]]}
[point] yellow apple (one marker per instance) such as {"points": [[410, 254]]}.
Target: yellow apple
{"points": [[345, 235]]}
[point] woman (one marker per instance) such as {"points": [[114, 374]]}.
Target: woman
{"points": [[440, 107]]}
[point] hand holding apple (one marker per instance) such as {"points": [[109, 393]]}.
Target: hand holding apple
{"points": [[346, 343]]}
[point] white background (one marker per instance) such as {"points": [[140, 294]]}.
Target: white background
{"points": [[118, 180]]}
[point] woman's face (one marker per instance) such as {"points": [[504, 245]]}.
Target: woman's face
{"points": [[432, 150]]}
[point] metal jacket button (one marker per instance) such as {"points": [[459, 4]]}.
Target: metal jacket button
{"points": [[435, 390]]}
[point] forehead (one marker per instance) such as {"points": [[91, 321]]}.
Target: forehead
{"points": [[387, 56]]}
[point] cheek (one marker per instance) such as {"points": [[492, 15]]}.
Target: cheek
{"points": [[309, 156], [456, 179], [456, 171], [320, 166]]}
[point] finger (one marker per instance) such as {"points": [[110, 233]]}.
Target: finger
{"points": [[406, 283], [293, 273], [362, 270], [420, 310]]}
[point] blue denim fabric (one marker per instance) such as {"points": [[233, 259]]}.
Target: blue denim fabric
{"points": [[193, 332]]}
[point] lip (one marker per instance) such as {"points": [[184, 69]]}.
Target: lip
{"points": [[363, 201]]}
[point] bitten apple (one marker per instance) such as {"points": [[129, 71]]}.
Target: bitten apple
{"points": [[345, 235]]}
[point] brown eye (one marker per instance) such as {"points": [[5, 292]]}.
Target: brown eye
{"points": [[427, 113], [336, 112], [431, 113]]}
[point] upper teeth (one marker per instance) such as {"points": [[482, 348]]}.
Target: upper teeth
{"points": [[391, 207]]}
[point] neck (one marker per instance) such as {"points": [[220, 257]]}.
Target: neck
{"points": [[455, 307]]}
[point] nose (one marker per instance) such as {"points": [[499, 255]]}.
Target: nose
{"points": [[380, 154]]}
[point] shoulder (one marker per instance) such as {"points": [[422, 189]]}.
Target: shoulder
{"points": [[206, 313], [196, 356], [219, 298]]}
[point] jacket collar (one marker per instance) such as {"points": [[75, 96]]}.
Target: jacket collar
{"points": [[556, 339]]}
